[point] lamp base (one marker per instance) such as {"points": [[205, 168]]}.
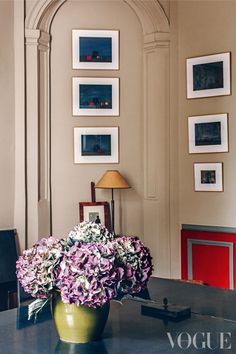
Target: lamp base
{"points": [[112, 214]]}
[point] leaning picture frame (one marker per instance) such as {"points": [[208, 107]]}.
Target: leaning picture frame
{"points": [[96, 145], [95, 96], [208, 133], [208, 76], [98, 212], [208, 177], [95, 49]]}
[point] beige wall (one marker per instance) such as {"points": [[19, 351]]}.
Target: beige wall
{"points": [[7, 114], [70, 182], [206, 27]]}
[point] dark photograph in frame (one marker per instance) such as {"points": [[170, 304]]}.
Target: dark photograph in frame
{"points": [[96, 145], [95, 49], [208, 75], [208, 177], [95, 96], [208, 133]]}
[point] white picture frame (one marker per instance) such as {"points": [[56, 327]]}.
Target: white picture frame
{"points": [[95, 49], [208, 177], [93, 96], [96, 145], [208, 76], [208, 133]]}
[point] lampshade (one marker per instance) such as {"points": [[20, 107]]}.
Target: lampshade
{"points": [[112, 179]]}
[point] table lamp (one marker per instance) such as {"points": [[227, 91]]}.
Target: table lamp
{"points": [[112, 179]]}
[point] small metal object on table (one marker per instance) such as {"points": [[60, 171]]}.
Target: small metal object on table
{"points": [[170, 312]]}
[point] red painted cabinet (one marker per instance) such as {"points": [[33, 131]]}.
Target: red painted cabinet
{"points": [[208, 257]]}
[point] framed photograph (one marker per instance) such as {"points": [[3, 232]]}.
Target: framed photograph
{"points": [[95, 49], [95, 96], [98, 212], [208, 133], [208, 76], [96, 145], [208, 177]]}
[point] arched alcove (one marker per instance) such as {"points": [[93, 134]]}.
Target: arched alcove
{"points": [[155, 103], [150, 14]]}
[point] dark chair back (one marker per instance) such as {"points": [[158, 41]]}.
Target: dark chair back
{"points": [[8, 256]]}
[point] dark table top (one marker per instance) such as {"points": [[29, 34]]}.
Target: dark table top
{"points": [[127, 332]]}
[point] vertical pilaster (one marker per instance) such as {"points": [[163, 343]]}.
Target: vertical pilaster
{"points": [[156, 151], [37, 139], [32, 141], [44, 136]]}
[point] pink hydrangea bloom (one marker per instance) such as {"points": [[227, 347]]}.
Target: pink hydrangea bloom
{"points": [[87, 274], [35, 268]]}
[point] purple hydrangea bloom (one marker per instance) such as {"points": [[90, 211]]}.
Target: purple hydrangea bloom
{"points": [[136, 261], [87, 274], [35, 268]]}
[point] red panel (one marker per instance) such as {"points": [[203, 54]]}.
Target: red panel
{"points": [[207, 268], [210, 263]]}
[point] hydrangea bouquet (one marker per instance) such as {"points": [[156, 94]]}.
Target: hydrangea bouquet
{"points": [[89, 267]]}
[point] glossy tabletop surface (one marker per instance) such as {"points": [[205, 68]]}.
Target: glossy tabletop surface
{"points": [[127, 332]]}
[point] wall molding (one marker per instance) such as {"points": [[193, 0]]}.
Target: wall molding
{"points": [[156, 38], [151, 15], [44, 41], [32, 36], [156, 116], [41, 13]]}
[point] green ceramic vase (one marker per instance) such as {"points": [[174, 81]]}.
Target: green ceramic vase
{"points": [[78, 324]]}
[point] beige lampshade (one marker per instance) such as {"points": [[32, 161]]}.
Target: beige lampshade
{"points": [[112, 179]]}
